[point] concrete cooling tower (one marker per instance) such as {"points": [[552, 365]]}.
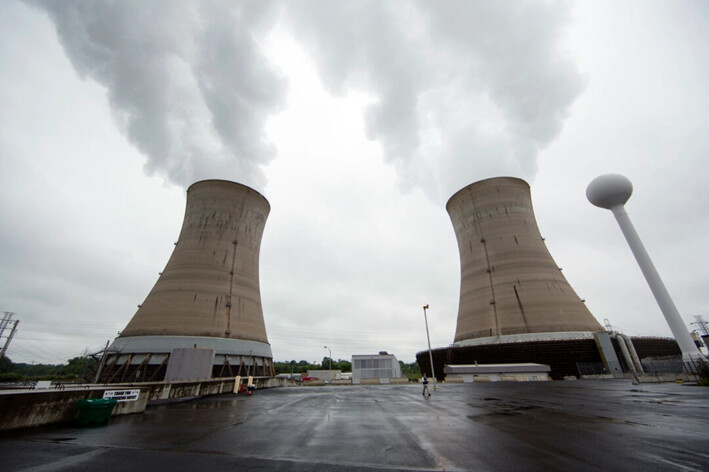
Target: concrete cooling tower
{"points": [[207, 300], [510, 285], [515, 305]]}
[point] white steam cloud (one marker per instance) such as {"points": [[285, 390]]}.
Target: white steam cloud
{"points": [[464, 90], [187, 81]]}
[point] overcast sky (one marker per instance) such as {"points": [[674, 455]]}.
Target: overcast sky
{"points": [[357, 121]]}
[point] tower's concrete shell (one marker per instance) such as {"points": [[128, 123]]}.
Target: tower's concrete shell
{"points": [[208, 295], [510, 286]]}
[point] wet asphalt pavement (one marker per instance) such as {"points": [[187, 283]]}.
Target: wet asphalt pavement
{"points": [[543, 426]]}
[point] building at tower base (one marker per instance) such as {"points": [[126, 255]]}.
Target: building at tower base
{"points": [[567, 358], [207, 299]]}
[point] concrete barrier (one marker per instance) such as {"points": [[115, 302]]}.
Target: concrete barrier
{"points": [[683, 377], [313, 383], [27, 408], [35, 408]]}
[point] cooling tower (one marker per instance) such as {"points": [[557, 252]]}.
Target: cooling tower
{"points": [[510, 286], [207, 296]]}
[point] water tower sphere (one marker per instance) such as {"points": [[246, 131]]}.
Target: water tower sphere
{"points": [[609, 190]]}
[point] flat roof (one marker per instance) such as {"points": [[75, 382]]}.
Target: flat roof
{"points": [[495, 368], [371, 356]]}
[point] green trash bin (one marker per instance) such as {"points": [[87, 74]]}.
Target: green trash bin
{"points": [[95, 411]]}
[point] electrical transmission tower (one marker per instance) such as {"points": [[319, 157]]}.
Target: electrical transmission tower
{"points": [[4, 323], [702, 325]]}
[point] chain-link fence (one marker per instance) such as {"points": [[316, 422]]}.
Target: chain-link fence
{"points": [[664, 365]]}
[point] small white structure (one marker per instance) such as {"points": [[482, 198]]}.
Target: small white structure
{"points": [[527, 372], [43, 384], [382, 366]]}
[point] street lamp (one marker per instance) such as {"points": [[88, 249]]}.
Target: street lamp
{"points": [[330, 358], [428, 337]]}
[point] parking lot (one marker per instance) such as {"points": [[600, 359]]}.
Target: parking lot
{"points": [[574, 425]]}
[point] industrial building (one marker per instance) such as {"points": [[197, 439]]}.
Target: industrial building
{"points": [[382, 366], [208, 295], [515, 304]]}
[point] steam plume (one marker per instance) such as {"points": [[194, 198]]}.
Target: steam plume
{"points": [[463, 90]]}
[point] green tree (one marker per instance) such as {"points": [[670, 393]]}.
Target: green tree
{"points": [[6, 373], [5, 365], [412, 370], [284, 367], [703, 373], [80, 368], [342, 365], [326, 363], [36, 371]]}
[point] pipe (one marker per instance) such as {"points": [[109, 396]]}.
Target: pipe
{"points": [[626, 354], [633, 354], [102, 363]]}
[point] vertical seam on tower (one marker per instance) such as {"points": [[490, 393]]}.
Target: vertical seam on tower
{"points": [[231, 272], [521, 308], [231, 287], [489, 268], [492, 286]]}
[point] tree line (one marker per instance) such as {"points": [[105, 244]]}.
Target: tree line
{"points": [[83, 369], [410, 370], [78, 369]]}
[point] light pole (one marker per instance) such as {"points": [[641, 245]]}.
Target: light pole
{"points": [[329, 358], [428, 337]]}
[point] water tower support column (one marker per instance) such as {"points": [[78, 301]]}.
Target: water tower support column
{"points": [[611, 191]]}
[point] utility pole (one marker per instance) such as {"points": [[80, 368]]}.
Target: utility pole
{"points": [[9, 338], [103, 363]]}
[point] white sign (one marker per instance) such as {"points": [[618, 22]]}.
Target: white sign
{"points": [[122, 395]]}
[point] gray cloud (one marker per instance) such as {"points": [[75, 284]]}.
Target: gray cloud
{"points": [[479, 86], [187, 82], [431, 67]]}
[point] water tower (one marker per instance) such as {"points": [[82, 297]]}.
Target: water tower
{"points": [[612, 191]]}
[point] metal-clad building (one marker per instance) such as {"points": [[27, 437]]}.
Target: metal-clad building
{"points": [[382, 366]]}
